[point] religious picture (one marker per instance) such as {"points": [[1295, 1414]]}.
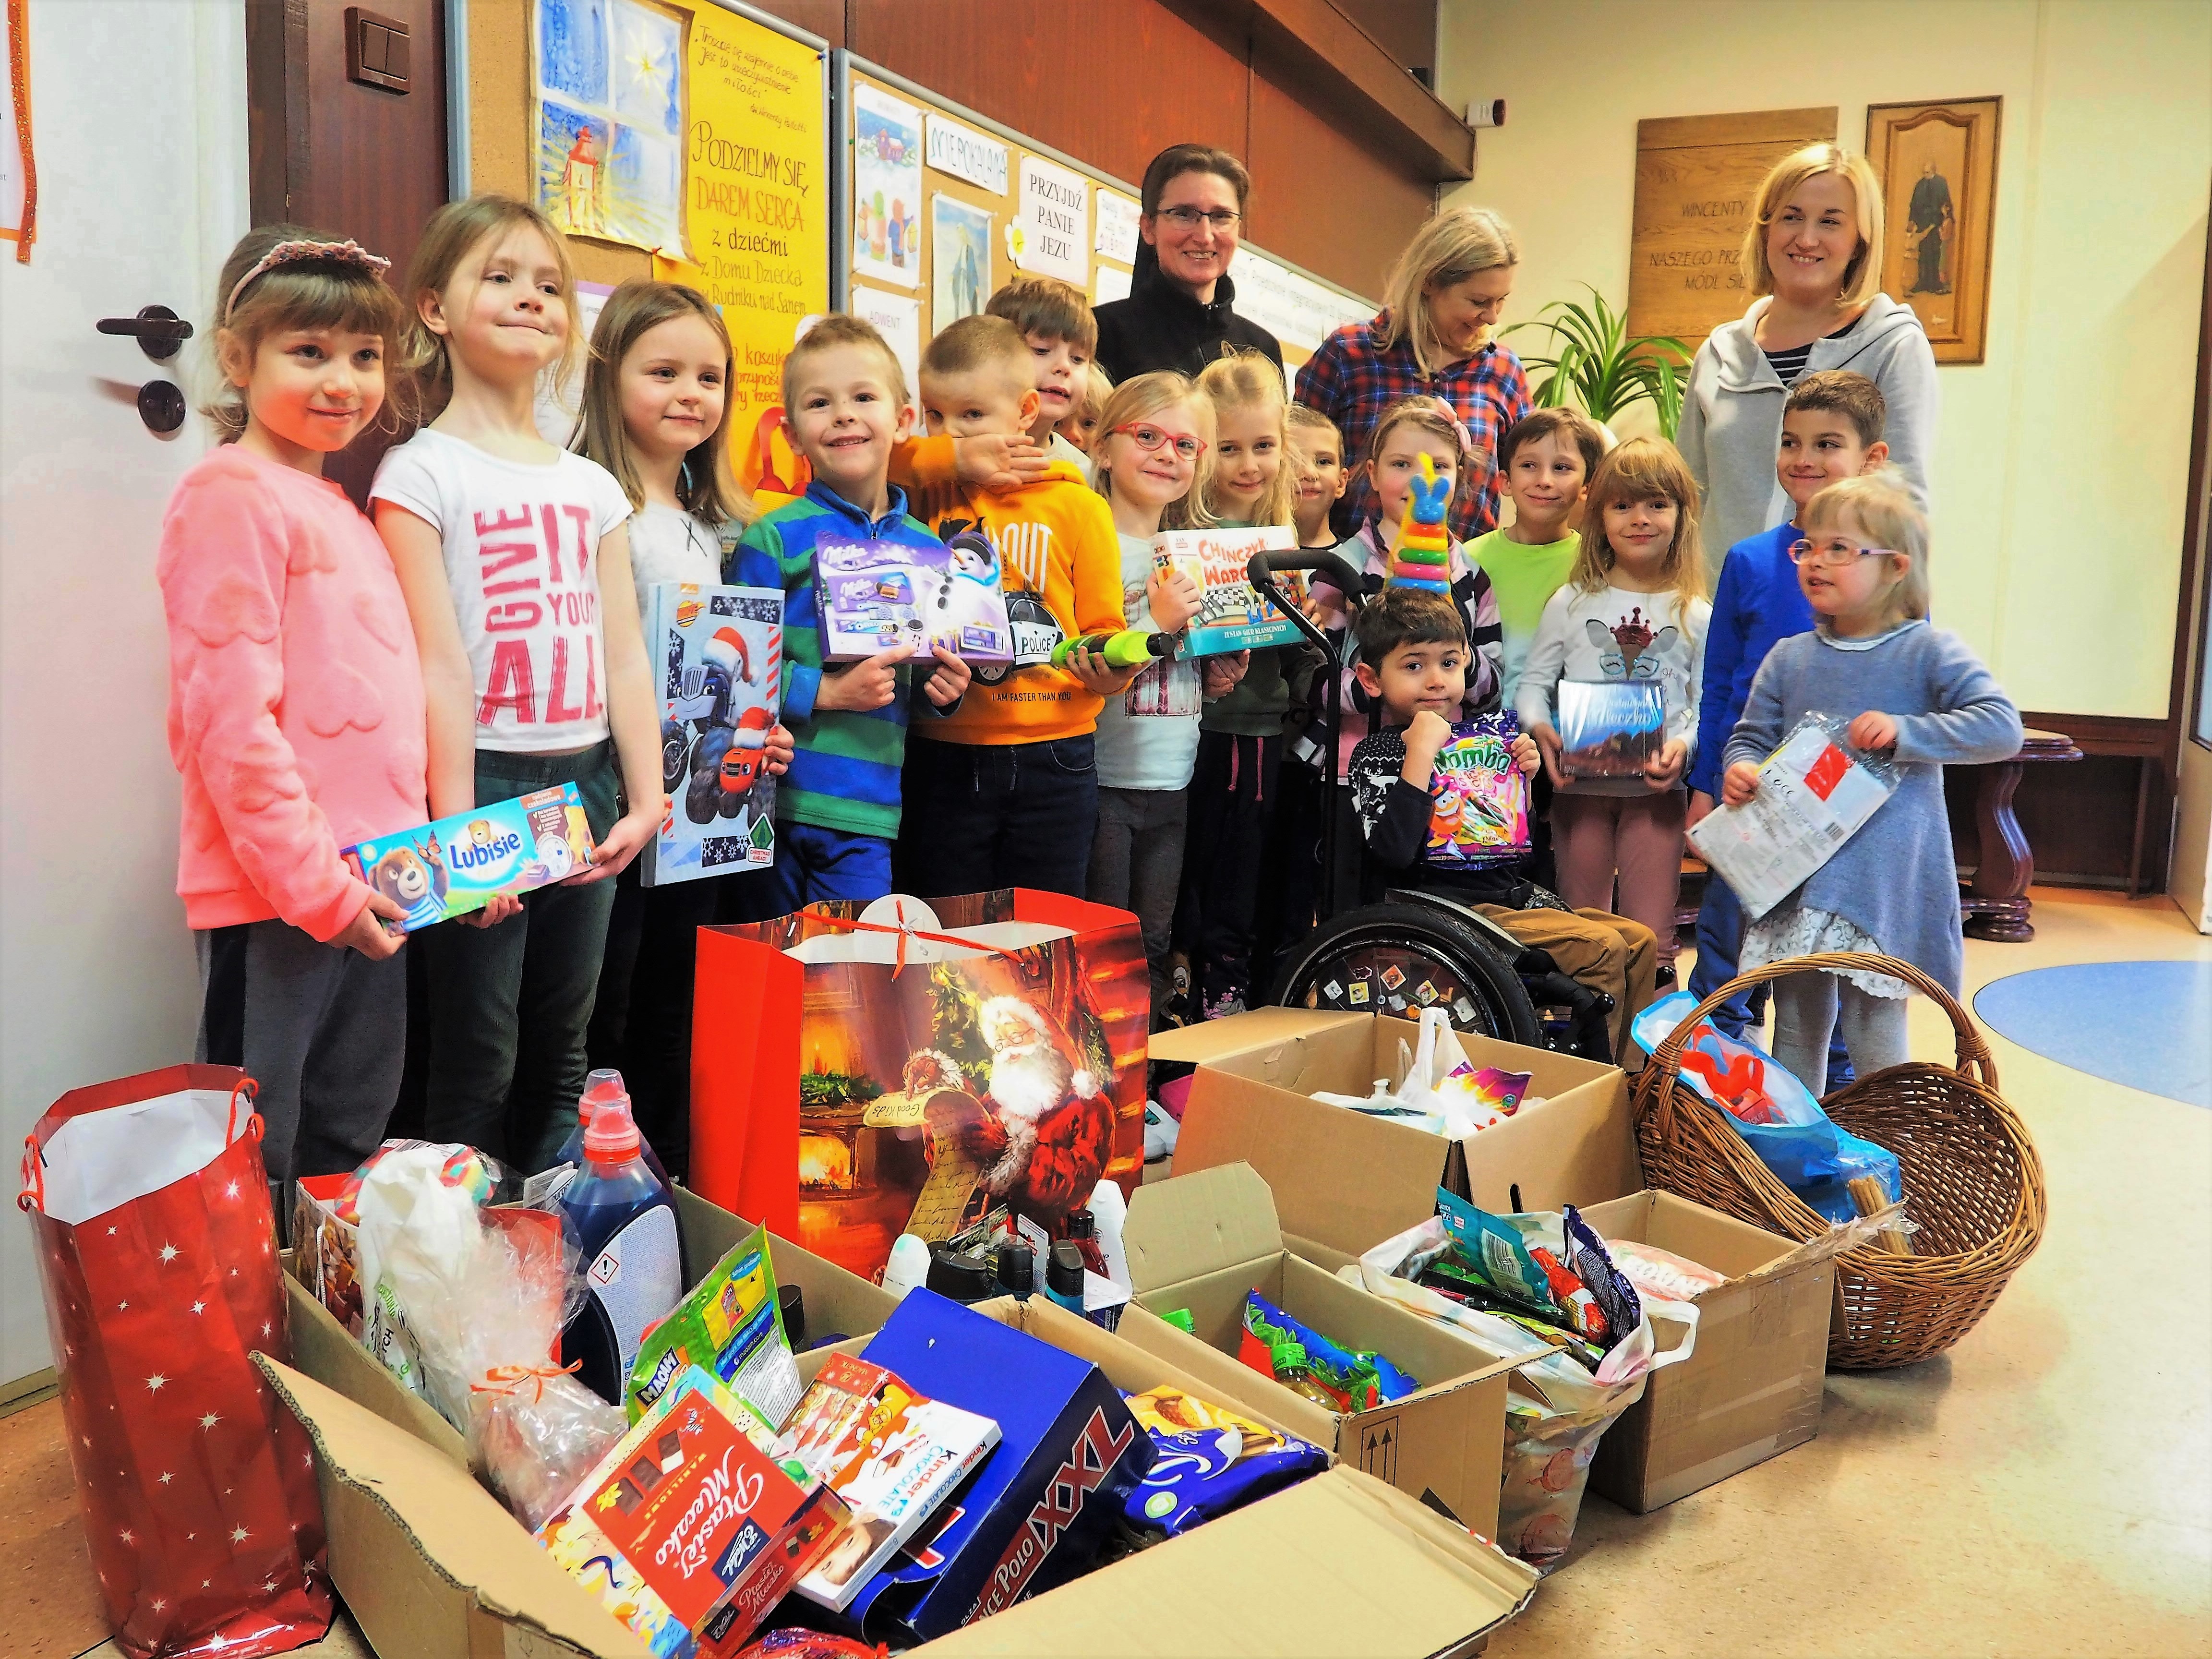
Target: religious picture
{"points": [[960, 260], [1938, 165]]}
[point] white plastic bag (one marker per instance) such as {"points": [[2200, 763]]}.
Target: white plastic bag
{"points": [[1430, 1095]]}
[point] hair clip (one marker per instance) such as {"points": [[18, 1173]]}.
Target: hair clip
{"points": [[284, 253]]}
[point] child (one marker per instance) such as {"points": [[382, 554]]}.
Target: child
{"points": [[282, 609], [1831, 429], [1414, 658], [1004, 792], [1634, 610], [839, 810], [1062, 336], [1545, 461], [515, 564], [1915, 692], [1241, 735], [1082, 426], [1317, 469], [1150, 465], [654, 392]]}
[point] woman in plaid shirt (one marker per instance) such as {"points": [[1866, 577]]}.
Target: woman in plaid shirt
{"points": [[1433, 337]]}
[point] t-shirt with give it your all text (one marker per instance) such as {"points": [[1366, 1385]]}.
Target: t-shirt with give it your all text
{"points": [[521, 543]]}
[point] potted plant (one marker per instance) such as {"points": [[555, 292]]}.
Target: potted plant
{"points": [[1602, 366]]}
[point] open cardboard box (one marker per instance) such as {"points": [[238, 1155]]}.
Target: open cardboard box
{"points": [[1349, 1181], [433, 1567], [835, 1301], [1201, 1242]]}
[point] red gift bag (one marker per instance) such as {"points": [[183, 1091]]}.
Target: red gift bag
{"points": [[157, 1250]]}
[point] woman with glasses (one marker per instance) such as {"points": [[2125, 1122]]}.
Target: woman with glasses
{"points": [[1432, 337], [1180, 313]]}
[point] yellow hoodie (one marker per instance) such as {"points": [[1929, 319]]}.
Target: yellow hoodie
{"points": [[1054, 537]]}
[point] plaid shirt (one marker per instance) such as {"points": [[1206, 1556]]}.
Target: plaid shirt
{"points": [[1352, 380]]}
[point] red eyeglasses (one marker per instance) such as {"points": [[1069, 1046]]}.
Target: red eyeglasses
{"points": [[1148, 437]]}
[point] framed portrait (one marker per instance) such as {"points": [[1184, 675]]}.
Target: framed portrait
{"points": [[1938, 164]]}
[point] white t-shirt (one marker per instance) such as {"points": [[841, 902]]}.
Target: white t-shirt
{"points": [[1148, 736], [521, 543], [667, 545]]}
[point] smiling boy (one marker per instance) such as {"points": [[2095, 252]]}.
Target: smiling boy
{"points": [[1545, 461], [838, 810]]}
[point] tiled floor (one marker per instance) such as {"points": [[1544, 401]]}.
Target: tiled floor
{"points": [[2045, 1489]]}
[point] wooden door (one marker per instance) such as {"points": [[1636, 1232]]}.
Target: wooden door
{"points": [[346, 126]]}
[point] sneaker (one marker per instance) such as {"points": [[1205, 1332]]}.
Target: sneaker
{"points": [[1161, 1132]]}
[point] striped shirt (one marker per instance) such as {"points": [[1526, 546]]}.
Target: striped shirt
{"points": [[844, 776]]}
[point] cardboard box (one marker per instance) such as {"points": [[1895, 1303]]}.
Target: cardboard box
{"points": [[1347, 1181], [1201, 1242], [432, 1567], [836, 1302], [1751, 1387]]}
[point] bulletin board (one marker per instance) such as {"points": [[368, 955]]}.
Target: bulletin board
{"points": [[919, 174]]}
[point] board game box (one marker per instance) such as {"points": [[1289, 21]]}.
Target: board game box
{"points": [[875, 596], [1233, 616]]}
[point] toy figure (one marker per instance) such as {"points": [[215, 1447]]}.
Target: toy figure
{"points": [[1423, 558]]}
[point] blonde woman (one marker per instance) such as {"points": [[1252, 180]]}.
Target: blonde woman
{"points": [[1813, 257], [1433, 337]]}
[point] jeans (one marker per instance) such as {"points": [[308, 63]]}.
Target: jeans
{"points": [[982, 816], [1136, 863], [813, 864], [509, 1005], [1720, 941]]}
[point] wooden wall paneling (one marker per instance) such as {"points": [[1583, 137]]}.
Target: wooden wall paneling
{"points": [[1406, 29], [1324, 200]]}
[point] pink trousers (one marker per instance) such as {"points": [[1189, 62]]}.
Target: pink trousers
{"points": [[1622, 853]]}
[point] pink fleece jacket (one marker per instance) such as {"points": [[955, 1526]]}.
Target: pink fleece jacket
{"points": [[296, 695]]}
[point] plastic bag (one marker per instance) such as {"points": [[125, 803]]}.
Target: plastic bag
{"points": [[1815, 791], [1439, 1088], [1773, 1111]]}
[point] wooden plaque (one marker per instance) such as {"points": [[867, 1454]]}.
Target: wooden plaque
{"points": [[1697, 184], [1938, 164]]}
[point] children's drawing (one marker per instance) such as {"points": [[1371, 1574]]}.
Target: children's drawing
{"points": [[610, 93], [572, 49], [886, 188]]}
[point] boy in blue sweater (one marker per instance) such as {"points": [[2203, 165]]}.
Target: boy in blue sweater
{"points": [[1831, 429]]}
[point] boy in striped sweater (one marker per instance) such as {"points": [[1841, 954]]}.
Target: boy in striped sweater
{"points": [[837, 812]]}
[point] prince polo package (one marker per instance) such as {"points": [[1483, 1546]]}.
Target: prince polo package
{"points": [[451, 867]]}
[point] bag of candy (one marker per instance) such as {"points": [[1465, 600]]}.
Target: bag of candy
{"points": [[1479, 812], [1356, 1381], [1210, 1461]]}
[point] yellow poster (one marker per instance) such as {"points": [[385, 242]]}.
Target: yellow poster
{"points": [[756, 199]]}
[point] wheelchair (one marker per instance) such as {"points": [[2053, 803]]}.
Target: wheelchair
{"points": [[1415, 951]]}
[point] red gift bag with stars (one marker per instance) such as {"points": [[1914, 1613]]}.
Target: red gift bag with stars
{"points": [[157, 1250]]}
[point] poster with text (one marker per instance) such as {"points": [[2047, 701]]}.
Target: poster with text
{"points": [[886, 188], [758, 150], [609, 84], [1117, 228], [897, 317], [967, 154], [960, 260], [1051, 231]]}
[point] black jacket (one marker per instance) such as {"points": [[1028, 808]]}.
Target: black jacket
{"points": [[1161, 326]]}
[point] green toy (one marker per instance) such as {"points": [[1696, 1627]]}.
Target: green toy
{"points": [[1126, 649]]}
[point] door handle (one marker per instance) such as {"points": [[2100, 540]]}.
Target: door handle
{"points": [[158, 331]]}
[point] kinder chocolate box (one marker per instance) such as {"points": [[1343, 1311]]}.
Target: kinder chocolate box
{"points": [[451, 867]]}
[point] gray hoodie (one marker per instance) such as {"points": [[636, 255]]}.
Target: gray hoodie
{"points": [[1731, 428]]}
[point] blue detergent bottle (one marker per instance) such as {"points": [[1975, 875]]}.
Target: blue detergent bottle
{"points": [[623, 1221], [603, 1085]]}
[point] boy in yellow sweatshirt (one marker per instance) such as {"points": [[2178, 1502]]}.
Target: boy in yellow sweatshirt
{"points": [[1005, 792]]}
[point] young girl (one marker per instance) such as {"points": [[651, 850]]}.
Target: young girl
{"points": [[1633, 611], [295, 704], [1911, 690], [1150, 462], [655, 393], [1241, 735], [1080, 426], [515, 564]]}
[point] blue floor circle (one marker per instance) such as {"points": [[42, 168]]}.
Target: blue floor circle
{"points": [[2145, 1025]]}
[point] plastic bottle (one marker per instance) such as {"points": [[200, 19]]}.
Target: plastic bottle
{"points": [[963, 1277], [1082, 1233], [603, 1085], [908, 1266], [1063, 1276], [1294, 1374], [1111, 1211], [623, 1224]]}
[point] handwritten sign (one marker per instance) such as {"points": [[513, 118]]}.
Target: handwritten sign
{"points": [[1117, 228], [1299, 312], [1054, 223], [758, 197], [1697, 189], [966, 154]]}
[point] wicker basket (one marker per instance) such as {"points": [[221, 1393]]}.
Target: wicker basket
{"points": [[1972, 1180]]}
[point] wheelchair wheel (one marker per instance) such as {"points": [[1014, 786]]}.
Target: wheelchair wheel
{"points": [[1399, 958]]}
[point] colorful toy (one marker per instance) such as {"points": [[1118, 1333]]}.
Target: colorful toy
{"points": [[1126, 649], [453, 866], [1423, 558]]}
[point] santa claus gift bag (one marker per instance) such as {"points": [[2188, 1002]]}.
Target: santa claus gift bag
{"points": [[862, 1072], [157, 1251]]}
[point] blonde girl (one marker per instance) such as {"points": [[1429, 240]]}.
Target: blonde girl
{"points": [[295, 703], [1080, 425], [655, 391], [1911, 692], [1634, 612], [1435, 335], [515, 563], [1151, 457]]}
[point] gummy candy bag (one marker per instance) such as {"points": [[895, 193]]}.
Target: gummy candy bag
{"points": [[1479, 812]]}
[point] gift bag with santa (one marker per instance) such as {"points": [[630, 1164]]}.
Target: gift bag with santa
{"points": [[858, 1073], [721, 655]]}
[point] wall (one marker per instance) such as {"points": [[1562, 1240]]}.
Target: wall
{"points": [[2061, 475]]}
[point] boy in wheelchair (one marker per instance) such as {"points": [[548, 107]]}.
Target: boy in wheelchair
{"points": [[1412, 664]]}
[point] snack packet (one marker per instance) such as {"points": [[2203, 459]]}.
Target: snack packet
{"points": [[1359, 1381], [1498, 1254], [1586, 1256], [731, 1325], [1209, 1460], [1478, 811], [1661, 1272]]}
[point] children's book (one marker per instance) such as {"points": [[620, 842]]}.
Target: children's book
{"points": [[875, 596], [1610, 728], [719, 652], [1232, 615]]}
